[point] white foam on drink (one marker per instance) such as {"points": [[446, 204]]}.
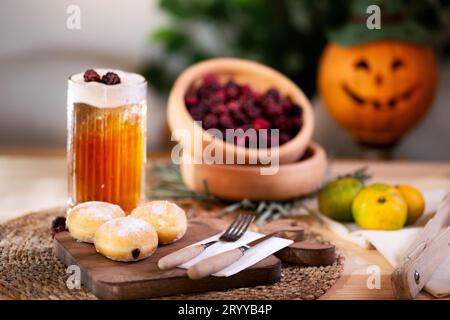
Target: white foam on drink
{"points": [[131, 89]]}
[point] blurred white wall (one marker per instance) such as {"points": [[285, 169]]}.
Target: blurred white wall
{"points": [[38, 53]]}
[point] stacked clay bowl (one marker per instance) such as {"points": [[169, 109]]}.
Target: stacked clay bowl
{"points": [[302, 164]]}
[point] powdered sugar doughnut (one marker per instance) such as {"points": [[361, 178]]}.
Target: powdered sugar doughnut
{"points": [[166, 217], [84, 219], [126, 239]]}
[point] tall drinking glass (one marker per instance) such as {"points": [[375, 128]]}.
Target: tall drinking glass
{"points": [[106, 141]]}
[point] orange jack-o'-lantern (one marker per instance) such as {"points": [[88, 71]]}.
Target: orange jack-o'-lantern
{"points": [[377, 90]]}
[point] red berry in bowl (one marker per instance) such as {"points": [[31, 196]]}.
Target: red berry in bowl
{"points": [[197, 112], [234, 106], [284, 137], [272, 109], [219, 109], [252, 111], [246, 90], [232, 90], [227, 122], [211, 82], [261, 123], [292, 110], [210, 121], [191, 99], [203, 93], [231, 105], [272, 94], [295, 123], [218, 97], [281, 123], [210, 78], [240, 117]]}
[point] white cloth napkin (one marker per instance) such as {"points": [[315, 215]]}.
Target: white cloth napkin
{"points": [[253, 255], [393, 244]]}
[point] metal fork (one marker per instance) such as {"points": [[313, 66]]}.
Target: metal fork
{"points": [[233, 233]]}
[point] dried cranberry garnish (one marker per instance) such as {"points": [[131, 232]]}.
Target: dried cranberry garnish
{"points": [[110, 78], [58, 225], [91, 75]]}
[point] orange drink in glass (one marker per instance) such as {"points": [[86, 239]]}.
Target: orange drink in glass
{"points": [[106, 143]]}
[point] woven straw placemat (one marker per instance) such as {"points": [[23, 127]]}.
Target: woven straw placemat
{"points": [[30, 270]]}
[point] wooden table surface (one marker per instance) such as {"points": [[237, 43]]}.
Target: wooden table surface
{"points": [[36, 179]]}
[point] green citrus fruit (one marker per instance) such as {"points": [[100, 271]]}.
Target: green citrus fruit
{"points": [[335, 198], [380, 207]]}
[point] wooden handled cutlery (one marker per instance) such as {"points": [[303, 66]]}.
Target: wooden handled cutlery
{"points": [[234, 232]]}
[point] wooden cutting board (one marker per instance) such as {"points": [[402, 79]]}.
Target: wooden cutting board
{"points": [[108, 279]]}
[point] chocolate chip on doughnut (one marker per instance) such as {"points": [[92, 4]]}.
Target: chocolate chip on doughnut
{"points": [[126, 239]]}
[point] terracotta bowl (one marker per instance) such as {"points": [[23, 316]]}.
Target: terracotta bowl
{"points": [[260, 78], [237, 182]]}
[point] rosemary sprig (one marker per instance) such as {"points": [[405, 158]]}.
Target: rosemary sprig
{"points": [[167, 183], [275, 210]]}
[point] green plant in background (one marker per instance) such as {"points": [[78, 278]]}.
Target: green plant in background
{"points": [[285, 34], [288, 35]]}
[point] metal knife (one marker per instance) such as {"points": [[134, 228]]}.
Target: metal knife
{"points": [[220, 261]]}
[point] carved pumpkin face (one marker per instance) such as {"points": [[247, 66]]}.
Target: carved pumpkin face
{"points": [[377, 91]]}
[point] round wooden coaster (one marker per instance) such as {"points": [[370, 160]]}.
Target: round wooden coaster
{"points": [[30, 270]]}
